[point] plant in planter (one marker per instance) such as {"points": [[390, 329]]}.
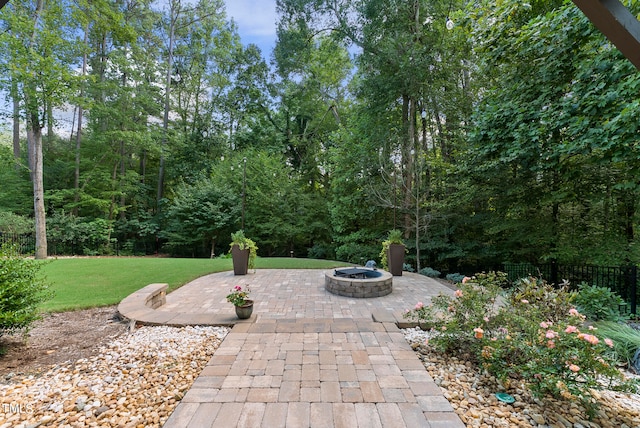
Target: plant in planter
{"points": [[392, 254], [241, 301], [243, 253]]}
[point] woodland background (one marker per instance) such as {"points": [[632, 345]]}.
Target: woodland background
{"points": [[487, 132]]}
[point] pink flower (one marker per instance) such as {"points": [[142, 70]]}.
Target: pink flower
{"points": [[486, 319], [592, 328], [419, 305], [590, 338], [551, 344], [544, 325], [571, 329], [465, 279], [574, 312], [458, 293], [444, 328], [574, 368], [609, 342], [550, 334], [237, 288], [479, 332], [525, 301]]}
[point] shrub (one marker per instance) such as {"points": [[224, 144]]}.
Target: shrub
{"points": [[531, 333], [456, 278], [21, 290], [432, 273], [626, 342], [407, 267], [598, 303]]}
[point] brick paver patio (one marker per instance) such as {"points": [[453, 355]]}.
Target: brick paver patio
{"points": [[307, 358]]}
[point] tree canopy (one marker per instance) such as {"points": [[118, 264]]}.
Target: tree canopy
{"points": [[487, 132]]}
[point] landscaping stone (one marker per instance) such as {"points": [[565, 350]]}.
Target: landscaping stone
{"points": [[135, 381], [459, 381]]}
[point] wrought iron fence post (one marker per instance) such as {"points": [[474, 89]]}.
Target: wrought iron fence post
{"points": [[633, 287], [554, 272]]}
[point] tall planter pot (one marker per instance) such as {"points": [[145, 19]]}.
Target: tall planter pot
{"points": [[395, 258], [240, 260]]}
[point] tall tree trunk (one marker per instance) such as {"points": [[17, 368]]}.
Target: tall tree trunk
{"points": [[123, 173], [143, 166], [175, 12], [76, 181], [49, 122], [34, 144], [15, 98]]}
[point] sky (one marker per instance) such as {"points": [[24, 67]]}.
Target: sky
{"points": [[256, 20]]}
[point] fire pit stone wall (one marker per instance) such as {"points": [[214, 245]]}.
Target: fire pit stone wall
{"points": [[358, 287]]}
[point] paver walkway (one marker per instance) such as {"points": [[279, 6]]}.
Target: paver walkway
{"points": [[308, 358]]}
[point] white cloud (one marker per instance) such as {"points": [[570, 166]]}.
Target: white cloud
{"points": [[254, 18], [256, 22]]}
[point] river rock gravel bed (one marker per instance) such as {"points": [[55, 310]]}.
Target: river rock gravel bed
{"points": [[135, 381], [472, 396]]}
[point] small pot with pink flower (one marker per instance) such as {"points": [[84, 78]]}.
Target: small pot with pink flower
{"points": [[239, 297]]}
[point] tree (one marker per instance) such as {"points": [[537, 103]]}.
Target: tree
{"points": [[39, 41], [191, 29], [198, 215], [558, 132]]}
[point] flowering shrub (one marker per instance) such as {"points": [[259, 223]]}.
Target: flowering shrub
{"points": [[531, 333], [238, 296], [473, 305]]}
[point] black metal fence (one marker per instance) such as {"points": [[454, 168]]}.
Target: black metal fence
{"points": [[26, 242], [621, 279]]}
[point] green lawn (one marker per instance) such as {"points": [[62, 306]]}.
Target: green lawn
{"points": [[89, 282]]}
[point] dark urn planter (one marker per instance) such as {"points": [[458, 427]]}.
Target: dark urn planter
{"points": [[240, 260], [244, 312], [395, 258]]}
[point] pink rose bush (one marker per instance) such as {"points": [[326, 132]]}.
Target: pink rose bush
{"points": [[531, 332]]}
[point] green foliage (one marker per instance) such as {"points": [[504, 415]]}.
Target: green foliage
{"points": [[198, 216], [546, 123], [238, 238], [626, 339], [543, 301], [69, 234], [430, 272], [14, 224], [238, 296], [22, 290], [599, 303], [16, 191], [456, 278], [532, 334]]}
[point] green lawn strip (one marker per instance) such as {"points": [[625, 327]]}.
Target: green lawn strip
{"points": [[80, 283]]}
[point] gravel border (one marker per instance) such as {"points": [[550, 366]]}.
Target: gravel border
{"points": [[135, 381], [472, 395]]}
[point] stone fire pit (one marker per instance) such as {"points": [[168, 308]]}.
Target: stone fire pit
{"points": [[358, 282]]}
